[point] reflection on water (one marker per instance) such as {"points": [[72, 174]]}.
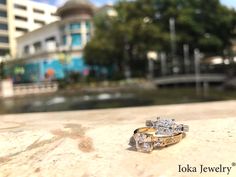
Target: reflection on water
{"points": [[80, 100], [56, 100], [63, 102]]}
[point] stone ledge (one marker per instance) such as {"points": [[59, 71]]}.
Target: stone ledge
{"points": [[95, 143]]}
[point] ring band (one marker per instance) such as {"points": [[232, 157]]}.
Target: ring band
{"points": [[145, 139]]}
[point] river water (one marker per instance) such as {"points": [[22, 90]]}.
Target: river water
{"points": [[65, 102], [82, 100]]}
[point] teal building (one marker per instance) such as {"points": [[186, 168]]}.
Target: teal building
{"points": [[55, 50]]}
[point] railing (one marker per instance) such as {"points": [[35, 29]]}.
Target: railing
{"points": [[27, 89], [181, 79]]}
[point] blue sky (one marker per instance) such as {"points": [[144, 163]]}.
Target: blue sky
{"points": [[59, 2], [230, 3]]}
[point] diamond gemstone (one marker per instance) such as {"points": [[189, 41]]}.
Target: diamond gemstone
{"points": [[166, 126], [144, 147], [143, 142]]}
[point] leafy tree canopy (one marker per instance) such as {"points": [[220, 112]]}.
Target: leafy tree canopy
{"points": [[139, 26]]}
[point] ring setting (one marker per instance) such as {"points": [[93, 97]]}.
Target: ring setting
{"points": [[159, 133]]}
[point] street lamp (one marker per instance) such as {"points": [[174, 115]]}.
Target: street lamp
{"points": [[152, 56]]}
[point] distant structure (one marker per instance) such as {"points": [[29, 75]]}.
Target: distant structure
{"points": [[18, 17], [56, 49], [234, 45]]}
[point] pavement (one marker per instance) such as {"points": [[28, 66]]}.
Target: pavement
{"points": [[95, 143]]}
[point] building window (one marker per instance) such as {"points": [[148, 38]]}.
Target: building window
{"points": [[4, 52], [21, 7], [3, 27], [51, 39], [51, 43], [88, 25], [26, 49], [21, 18], [39, 22], [2, 1], [75, 26], [64, 40], [88, 37], [4, 39], [38, 11], [3, 14], [76, 40], [24, 30], [37, 46]]}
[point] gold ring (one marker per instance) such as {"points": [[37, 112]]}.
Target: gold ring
{"points": [[145, 139]]}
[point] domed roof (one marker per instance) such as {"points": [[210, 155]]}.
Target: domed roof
{"points": [[78, 6]]}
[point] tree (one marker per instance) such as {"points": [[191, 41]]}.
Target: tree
{"points": [[206, 25], [143, 25], [124, 40], [2, 75]]}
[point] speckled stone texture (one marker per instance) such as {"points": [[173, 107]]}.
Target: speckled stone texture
{"points": [[95, 143]]}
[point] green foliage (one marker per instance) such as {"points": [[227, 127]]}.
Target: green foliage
{"points": [[2, 70], [143, 25]]}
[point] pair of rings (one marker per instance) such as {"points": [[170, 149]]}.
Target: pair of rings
{"points": [[160, 133]]}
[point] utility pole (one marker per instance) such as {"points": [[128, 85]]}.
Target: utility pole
{"points": [[175, 67], [163, 64], [197, 57], [127, 70], [186, 58]]}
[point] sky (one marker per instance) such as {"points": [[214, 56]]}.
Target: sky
{"points": [[60, 2], [229, 3]]}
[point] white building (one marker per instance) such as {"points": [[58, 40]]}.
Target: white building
{"points": [[71, 32], [18, 17], [42, 53], [30, 15]]}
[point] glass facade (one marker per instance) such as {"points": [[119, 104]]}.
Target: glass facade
{"points": [[3, 14], [75, 26], [2, 1], [3, 27], [88, 25], [4, 39], [76, 40], [64, 41], [73, 30]]}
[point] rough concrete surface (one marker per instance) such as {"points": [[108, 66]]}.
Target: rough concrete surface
{"points": [[95, 143]]}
